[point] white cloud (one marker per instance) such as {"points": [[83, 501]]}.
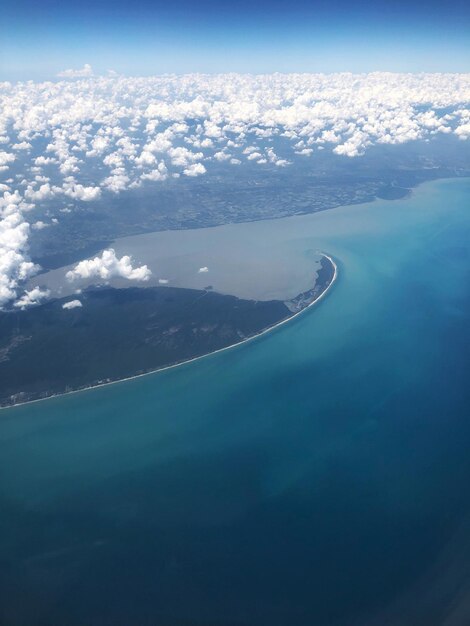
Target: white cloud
{"points": [[39, 225], [81, 192], [42, 160], [159, 173], [203, 270], [5, 158], [44, 192], [23, 145], [463, 131], [32, 297], [15, 267], [98, 146], [108, 266], [72, 304], [183, 157], [84, 72], [117, 182], [196, 169], [221, 156], [145, 159]]}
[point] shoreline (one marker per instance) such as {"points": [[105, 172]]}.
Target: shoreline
{"points": [[111, 241], [196, 358]]}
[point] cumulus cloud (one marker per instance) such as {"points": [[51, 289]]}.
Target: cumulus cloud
{"points": [[32, 297], [183, 157], [5, 159], [22, 145], [221, 156], [39, 225], [81, 192], [463, 131], [15, 267], [84, 72], [203, 270], [254, 155], [126, 124], [159, 173], [72, 304], [196, 169], [108, 266], [116, 183]]}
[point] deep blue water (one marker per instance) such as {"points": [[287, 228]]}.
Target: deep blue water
{"points": [[318, 476]]}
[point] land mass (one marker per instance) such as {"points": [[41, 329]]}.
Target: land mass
{"points": [[121, 333], [244, 193]]}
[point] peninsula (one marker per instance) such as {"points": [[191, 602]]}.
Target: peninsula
{"points": [[123, 333]]}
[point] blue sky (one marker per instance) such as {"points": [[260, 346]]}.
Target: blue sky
{"points": [[38, 39]]}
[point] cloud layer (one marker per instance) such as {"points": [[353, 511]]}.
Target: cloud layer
{"points": [[131, 132]]}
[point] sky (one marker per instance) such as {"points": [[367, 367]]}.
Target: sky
{"points": [[38, 39]]}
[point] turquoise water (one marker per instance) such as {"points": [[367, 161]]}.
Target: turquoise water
{"points": [[316, 476]]}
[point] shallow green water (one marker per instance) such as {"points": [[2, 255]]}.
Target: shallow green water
{"points": [[316, 476]]}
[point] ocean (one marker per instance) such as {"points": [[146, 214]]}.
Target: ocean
{"points": [[316, 476]]}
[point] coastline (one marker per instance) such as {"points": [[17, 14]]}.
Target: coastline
{"points": [[196, 358], [56, 261]]}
